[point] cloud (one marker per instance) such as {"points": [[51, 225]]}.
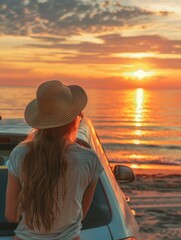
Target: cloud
{"points": [[66, 17], [103, 53], [5, 69], [49, 39], [107, 52], [115, 43], [173, 63]]}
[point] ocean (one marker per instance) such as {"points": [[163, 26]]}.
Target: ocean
{"points": [[136, 127]]}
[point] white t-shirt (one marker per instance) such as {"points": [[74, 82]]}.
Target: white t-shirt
{"points": [[83, 169]]}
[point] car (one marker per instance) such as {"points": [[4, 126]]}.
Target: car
{"points": [[109, 217]]}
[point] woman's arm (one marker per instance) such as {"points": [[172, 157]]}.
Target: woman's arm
{"points": [[12, 194], [87, 198]]}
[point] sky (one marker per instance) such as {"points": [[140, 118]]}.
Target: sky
{"points": [[96, 44]]}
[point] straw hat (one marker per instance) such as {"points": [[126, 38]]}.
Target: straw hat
{"points": [[55, 105]]}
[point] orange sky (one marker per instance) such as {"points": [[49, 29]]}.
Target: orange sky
{"points": [[97, 44]]}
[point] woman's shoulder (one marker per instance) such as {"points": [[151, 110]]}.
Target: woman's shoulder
{"points": [[20, 149], [85, 156], [82, 150]]}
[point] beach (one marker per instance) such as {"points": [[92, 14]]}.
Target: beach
{"points": [[156, 198]]}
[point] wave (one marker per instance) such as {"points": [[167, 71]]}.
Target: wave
{"points": [[117, 146], [162, 161], [143, 127]]}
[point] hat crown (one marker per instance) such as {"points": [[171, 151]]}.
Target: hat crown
{"points": [[52, 97], [55, 105]]}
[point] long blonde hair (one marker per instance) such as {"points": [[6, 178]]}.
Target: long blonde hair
{"points": [[44, 165]]}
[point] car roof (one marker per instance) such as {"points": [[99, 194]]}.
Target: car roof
{"points": [[15, 126], [15, 130], [18, 127]]}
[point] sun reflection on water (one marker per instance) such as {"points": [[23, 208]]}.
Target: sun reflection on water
{"points": [[139, 115], [138, 132], [139, 107]]}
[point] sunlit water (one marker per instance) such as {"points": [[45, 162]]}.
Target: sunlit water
{"points": [[135, 126]]}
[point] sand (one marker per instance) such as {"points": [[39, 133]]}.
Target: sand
{"points": [[156, 198]]}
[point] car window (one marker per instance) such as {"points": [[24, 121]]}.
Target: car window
{"points": [[99, 213], [5, 150], [6, 228]]}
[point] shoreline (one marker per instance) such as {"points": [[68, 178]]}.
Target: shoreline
{"points": [[156, 197]]}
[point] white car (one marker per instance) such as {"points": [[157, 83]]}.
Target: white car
{"points": [[109, 217]]}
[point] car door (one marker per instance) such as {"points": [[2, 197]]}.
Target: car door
{"points": [[96, 234]]}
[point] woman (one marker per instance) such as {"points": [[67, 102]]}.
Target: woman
{"points": [[51, 179]]}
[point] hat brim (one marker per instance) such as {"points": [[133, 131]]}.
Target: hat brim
{"points": [[37, 120]]}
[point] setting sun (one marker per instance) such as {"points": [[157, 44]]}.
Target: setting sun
{"points": [[140, 74]]}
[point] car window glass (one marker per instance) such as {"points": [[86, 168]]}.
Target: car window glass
{"points": [[6, 228], [5, 150], [99, 213]]}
